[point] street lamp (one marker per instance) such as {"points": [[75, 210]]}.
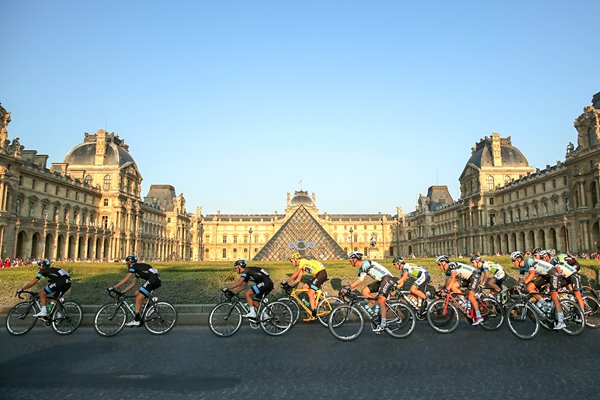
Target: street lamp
{"points": [[351, 240], [565, 221], [250, 244]]}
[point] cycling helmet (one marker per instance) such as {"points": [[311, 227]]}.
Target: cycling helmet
{"points": [[295, 256], [43, 263], [132, 259], [442, 259], [240, 263], [516, 254], [570, 259], [536, 251], [356, 254], [397, 260], [544, 253], [475, 257]]}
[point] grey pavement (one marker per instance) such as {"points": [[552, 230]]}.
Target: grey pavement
{"points": [[307, 362]]}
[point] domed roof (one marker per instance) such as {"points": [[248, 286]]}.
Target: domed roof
{"points": [[301, 199], [115, 151], [482, 155]]}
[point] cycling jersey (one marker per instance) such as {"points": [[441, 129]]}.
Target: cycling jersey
{"points": [[52, 274], [566, 270], [255, 274], [413, 270], [539, 266], [143, 271], [463, 271], [312, 267], [373, 269], [494, 270]]}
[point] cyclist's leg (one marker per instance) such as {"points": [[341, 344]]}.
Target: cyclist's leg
{"points": [[387, 283], [473, 284], [315, 285], [368, 291]]}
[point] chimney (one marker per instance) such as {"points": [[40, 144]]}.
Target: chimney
{"points": [[100, 147], [496, 152]]}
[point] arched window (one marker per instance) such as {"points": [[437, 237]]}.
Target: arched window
{"points": [[107, 180]]}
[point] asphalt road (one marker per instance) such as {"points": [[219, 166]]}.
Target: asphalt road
{"points": [[306, 363]]}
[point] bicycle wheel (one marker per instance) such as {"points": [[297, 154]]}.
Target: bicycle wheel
{"points": [[276, 318], [67, 318], [491, 312], [573, 317], [110, 320], [225, 319], [293, 306], [346, 322], [324, 308], [522, 321], [160, 318], [592, 312], [442, 319], [20, 319], [401, 320]]}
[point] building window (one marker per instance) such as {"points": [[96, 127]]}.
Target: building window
{"points": [[107, 181], [45, 187], [105, 221], [224, 240], [105, 202], [224, 253], [234, 239], [56, 190], [491, 202], [492, 219], [490, 182], [33, 184]]}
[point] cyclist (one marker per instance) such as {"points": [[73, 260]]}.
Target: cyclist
{"points": [[568, 267], [59, 282], [384, 283], [421, 279], [262, 285], [541, 271], [143, 271], [462, 275], [493, 276], [313, 267]]}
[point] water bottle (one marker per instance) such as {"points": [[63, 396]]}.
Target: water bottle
{"points": [[306, 303], [50, 306], [368, 309]]}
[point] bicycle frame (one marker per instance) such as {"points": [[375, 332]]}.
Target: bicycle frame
{"points": [[467, 312], [319, 296], [34, 298]]}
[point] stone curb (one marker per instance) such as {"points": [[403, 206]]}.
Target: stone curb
{"points": [[187, 314]]}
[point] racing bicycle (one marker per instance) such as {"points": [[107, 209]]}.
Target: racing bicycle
{"points": [[64, 316], [158, 317]]}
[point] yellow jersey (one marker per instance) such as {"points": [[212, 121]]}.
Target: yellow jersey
{"points": [[312, 267]]}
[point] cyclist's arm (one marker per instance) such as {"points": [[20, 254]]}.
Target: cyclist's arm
{"points": [[402, 279], [451, 281], [295, 278], [240, 283], [32, 283], [484, 278], [356, 283], [529, 277], [124, 281]]}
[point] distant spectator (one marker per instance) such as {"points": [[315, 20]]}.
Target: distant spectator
{"points": [[7, 262]]}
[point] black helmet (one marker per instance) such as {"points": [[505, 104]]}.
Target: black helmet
{"points": [[397, 260], [475, 257], [43, 263], [133, 259], [240, 263]]}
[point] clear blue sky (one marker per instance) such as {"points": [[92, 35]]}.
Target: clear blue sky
{"points": [[367, 102]]}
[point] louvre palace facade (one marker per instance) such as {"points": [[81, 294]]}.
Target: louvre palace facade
{"points": [[90, 207]]}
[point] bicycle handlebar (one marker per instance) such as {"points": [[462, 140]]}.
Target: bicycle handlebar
{"points": [[20, 292]]}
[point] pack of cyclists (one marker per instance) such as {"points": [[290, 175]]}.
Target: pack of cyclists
{"points": [[536, 270]]}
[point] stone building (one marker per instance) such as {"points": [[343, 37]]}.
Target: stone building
{"points": [[506, 205], [90, 207]]}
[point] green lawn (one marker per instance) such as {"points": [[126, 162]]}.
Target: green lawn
{"points": [[200, 282]]}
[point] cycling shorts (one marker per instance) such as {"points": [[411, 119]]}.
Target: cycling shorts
{"points": [[59, 286], [317, 281], [151, 284], [386, 285], [261, 289], [421, 281], [472, 282], [574, 280]]}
